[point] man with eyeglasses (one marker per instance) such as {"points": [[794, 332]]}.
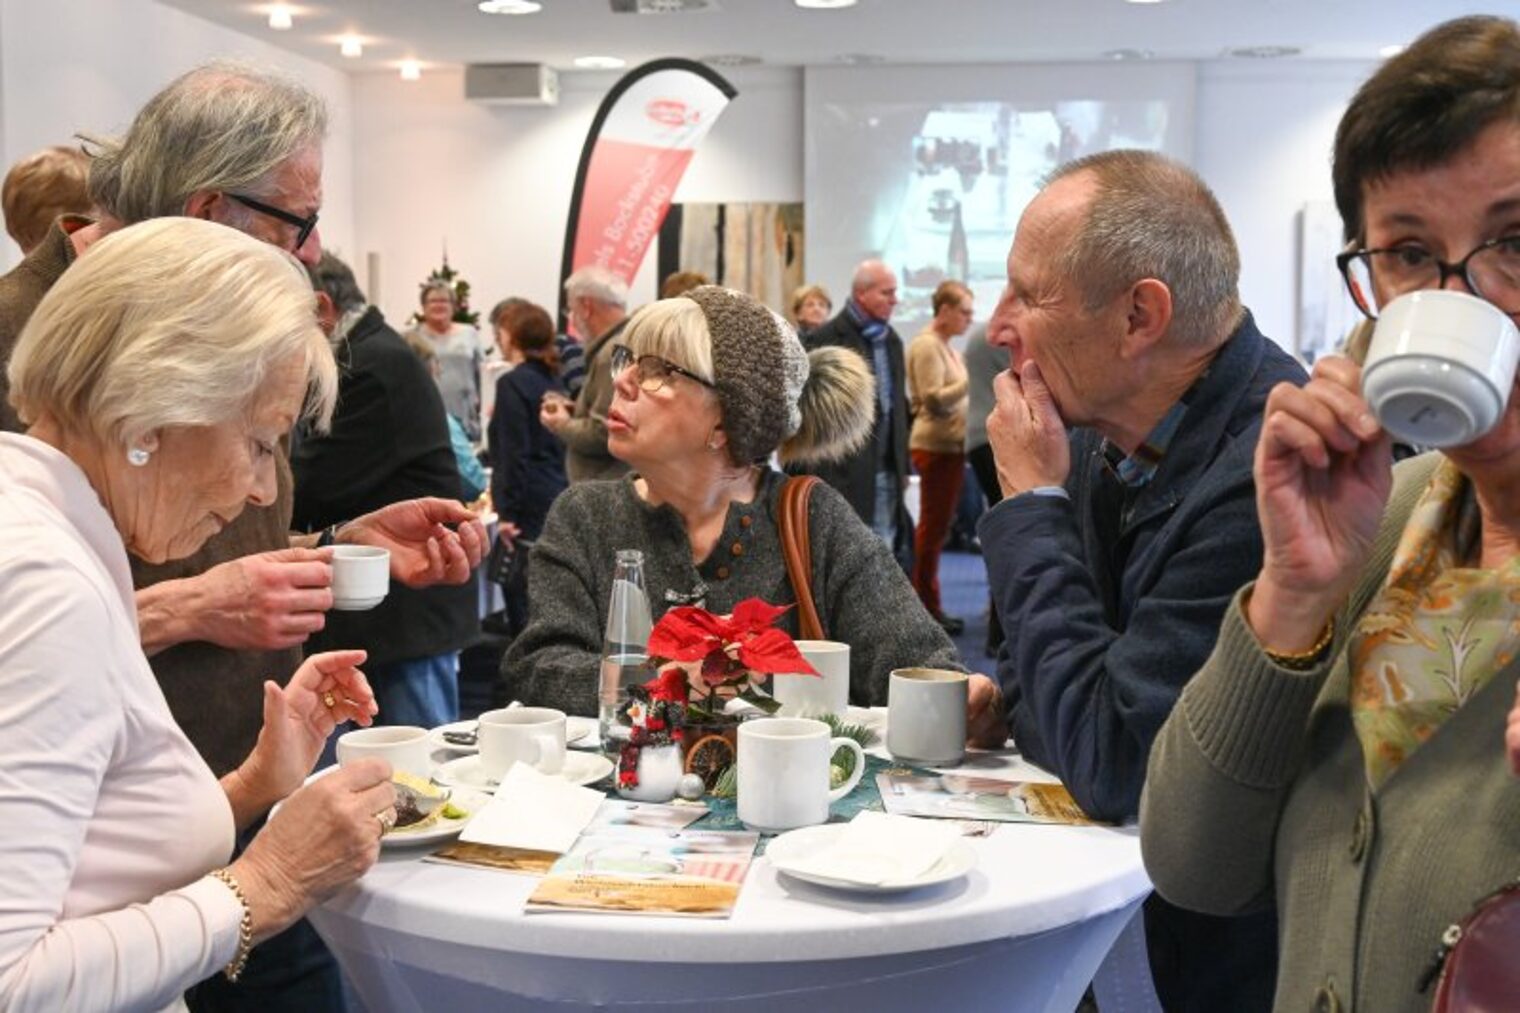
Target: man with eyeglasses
{"points": [[597, 301], [243, 147]]}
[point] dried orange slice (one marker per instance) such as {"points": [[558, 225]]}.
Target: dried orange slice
{"points": [[709, 757]]}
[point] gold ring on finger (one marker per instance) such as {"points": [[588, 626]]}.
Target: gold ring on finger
{"points": [[329, 700]]}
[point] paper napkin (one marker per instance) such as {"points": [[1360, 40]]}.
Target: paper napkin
{"points": [[534, 811], [876, 848]]}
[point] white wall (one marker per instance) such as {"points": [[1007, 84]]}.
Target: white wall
{"points": [[1264, 138], [494, 182], [72, 65]]}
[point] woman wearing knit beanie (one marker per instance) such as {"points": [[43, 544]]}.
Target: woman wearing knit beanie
{"points": [[708, 387]]}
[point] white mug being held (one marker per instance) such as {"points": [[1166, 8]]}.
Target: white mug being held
{"points": [[784, 772]]}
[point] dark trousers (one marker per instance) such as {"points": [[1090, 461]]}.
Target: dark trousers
{"points": [[984, 465], [939, 490], [1204, 963]]}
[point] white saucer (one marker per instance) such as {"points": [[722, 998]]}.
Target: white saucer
{"points": [[797, 845], [468, 799], [466, 772], [573, 734]]}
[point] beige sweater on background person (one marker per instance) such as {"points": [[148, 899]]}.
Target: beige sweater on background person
{"points": [[937, 379], [1256, 787]]}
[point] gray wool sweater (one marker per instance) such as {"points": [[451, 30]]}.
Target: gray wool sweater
{"points": [[1257, 789], [862, 595]]}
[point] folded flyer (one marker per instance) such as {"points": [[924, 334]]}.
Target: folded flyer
{"points": [[964, 797], [634, 869]]}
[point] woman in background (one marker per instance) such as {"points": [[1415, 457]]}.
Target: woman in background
{"points": [[811, 308], [527, 461], [457, 346]]}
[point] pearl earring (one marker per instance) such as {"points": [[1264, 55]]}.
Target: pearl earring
{"points": [[137, 457]]}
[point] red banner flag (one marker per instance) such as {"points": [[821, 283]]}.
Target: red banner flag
{"points": [[636, 152]]}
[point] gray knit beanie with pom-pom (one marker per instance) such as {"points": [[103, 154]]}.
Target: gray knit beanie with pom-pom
{"points": [[814, 407]]}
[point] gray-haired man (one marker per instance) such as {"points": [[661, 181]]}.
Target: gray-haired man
{"points": [[1123, 436], [598, 302]]}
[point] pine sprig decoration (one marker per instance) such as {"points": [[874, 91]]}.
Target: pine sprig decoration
{"points": [[840, 728]]}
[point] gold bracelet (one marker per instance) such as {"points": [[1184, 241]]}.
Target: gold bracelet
{"points": [[234, 968], [1302, 661]]}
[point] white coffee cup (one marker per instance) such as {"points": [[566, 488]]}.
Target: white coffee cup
{"points": [[828, 692], [1440, 367], [531, 735], [361, 576], [784, 772], [404, 746], [926, 716]]}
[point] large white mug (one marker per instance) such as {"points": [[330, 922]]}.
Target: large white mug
{"points": [[531, 735], [1440, 367], [361, 576], [405, 747], [926, 716], [784, 772], [828, 692]]}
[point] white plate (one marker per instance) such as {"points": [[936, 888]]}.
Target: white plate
{"points": [[798, 845], [468, 799], [466, 772], [573, 734]]}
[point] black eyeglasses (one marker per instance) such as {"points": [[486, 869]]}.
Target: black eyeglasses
{"points": [[653, 372], [303, 226], [1491, 272]]}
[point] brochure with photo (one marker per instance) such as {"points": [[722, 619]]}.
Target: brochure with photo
{"points": [[963, 797], [643, 870]]}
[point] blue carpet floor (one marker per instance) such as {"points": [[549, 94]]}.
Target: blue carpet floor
{"points": [[963, 594]]}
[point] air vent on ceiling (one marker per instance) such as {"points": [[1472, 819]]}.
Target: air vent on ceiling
{"points": [[519, 84], [663, 6]]}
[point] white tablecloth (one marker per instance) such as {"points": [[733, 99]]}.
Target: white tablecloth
{"points": [[1026, 930]]}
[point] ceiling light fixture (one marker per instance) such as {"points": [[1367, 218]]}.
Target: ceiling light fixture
{"points": [[860, 59], [732, 60], [1389, 51], [1143, 1], [411, 70], [824, 5], [351, 46], [1128, 54], [600, 62], [281, 17], [1264, 52], [509, 6]]}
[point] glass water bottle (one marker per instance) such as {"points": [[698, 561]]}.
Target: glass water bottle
{"points": [[625, 645]]}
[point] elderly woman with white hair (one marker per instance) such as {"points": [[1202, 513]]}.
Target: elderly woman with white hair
{"points": [[706, 387], [156, 379]]}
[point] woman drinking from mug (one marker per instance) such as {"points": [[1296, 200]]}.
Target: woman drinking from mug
{"points": [[1344, 747], [157, 378], [706, 387]]}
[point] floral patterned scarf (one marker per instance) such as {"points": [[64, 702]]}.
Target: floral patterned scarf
{"points": [[1436, 633]]}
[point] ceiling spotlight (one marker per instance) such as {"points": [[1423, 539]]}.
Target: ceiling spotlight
{"points": [[600, 62], [824, 5], [411, 70], [281, 17], [351, 47], [1143, 1], [732, 60], [1128, 54], [1390, 51], [509, 6], [860, 59], [1264, 52]]}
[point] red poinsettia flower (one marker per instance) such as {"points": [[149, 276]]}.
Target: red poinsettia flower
{"points": [[686, 633], [772, 651], [731, 648]]}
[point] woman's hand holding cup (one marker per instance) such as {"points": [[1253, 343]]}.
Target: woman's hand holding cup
{"points": [[1323, 471], [323, 837]]}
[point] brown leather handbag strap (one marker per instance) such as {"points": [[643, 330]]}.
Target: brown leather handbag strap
{"points": [[796, 548]]}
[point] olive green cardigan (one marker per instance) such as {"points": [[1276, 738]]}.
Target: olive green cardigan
{"points": [[1256, 787]]}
